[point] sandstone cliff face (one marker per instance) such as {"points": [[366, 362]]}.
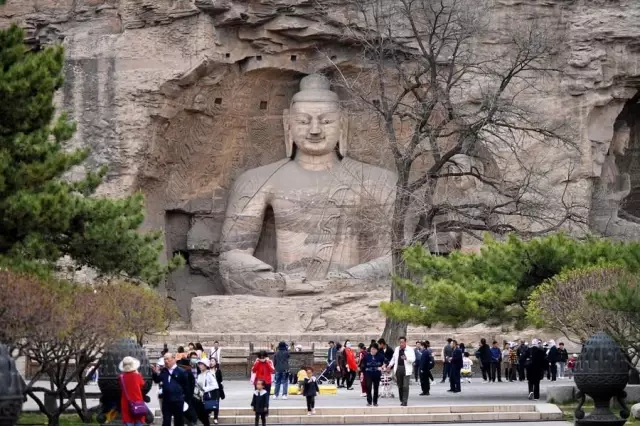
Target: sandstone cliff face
{"points": [[178, 97]]}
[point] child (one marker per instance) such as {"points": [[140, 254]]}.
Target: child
{"points": [[302, 375], [466, 371], [260, 403], [310, 390]]}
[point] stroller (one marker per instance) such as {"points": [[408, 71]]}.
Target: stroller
{"points": [[328, 375], [386, 385]]}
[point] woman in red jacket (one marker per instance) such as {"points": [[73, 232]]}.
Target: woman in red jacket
{"points": [[131, 383], [263, 369], [352, 365]]}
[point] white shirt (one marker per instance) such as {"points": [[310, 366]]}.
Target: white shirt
{"points": [[410, 355], [206, 382], [467, 363], [215, 354], [170, 370]]}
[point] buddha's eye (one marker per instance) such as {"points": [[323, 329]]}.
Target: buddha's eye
{"points": [[327, 121], [303, 121]]}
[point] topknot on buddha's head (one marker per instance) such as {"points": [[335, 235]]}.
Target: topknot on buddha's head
{"points": [[315, 88]]}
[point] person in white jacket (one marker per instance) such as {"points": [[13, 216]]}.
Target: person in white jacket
{"points": [[207, 388], [402, 364]]}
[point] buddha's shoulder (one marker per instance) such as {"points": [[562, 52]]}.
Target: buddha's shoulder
{"points": [[259, 175], [369, 170]]}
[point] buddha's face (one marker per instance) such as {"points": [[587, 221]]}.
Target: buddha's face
{"points": [[315, 126]]}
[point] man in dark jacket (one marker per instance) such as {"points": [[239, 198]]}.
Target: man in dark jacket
{"points": [[483, 354], [281, 364], [447, 351], [536, 364], [386, 350], [456, 366], [552, 358], [563, 357], [521, 353], [175, 387], [426, 364], [496, 360]]}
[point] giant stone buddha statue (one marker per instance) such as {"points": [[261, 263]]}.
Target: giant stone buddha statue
{"points": [[331, 213]]}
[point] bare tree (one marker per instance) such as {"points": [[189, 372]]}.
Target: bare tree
{"points": [[458, 121]]}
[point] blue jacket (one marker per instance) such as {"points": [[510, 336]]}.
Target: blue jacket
{"points": [[173, 390], [456, 358], [426, 360], [331, 355], [372, 363], [496, 354]]}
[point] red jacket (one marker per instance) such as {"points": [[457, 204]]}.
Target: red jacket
{"points": [[351, 359], [263, 370], [133, 383]]}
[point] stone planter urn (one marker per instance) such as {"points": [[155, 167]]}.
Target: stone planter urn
{"points": [[602, 372], [109, 383], [11, 389]]}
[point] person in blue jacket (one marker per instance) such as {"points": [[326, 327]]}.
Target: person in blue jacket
{"points": [[372, 364], [175, 386], [456, 365], [496, 361], [427, 363]]}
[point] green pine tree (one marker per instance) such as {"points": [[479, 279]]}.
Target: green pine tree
{"points": [[494, 285], [42, 215]]}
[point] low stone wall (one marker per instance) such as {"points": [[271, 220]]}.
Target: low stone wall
{"points": [[565, 394]]}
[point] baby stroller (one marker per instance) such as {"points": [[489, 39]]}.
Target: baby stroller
{"points": [[328, 375], [386, 385]]}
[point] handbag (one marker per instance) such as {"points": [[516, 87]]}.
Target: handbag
{"points": [[136, 408], [211, 404]]}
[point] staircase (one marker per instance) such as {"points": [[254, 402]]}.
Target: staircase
{"points": [[395, 415]]}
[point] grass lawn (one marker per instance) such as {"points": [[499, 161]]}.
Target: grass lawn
{"points": [[31, 418], [568, 411]]}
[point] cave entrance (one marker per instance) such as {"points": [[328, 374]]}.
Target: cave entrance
{"points": [[626, 148]]}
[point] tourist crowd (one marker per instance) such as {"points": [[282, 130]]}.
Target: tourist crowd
{"points": [[191, 384]]}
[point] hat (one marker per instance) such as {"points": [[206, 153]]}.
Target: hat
{"points": [[128, 364], [535, 342], [204, 361]]}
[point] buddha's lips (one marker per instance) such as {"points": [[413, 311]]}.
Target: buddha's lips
{"points": [[315, 140]]}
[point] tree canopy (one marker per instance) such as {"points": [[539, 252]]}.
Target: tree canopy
{"points": [[495, 284], [45, 216]]}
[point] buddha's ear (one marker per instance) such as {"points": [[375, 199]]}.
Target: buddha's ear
{"points": [[288, 142], [343, 143]]}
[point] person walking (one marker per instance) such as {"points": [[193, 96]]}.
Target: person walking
{"points": [[260, 403], [536, 365], [281, 363], [553, 358], [331, 359], [341, 366], [483, 354], [457, 356], [563, 357], [402, 364], [206, 398], [521, 352], [447, 351], [263, 369], [416, 365], [373, 363], [427, 362], [174, 383], [386, 350], [131, 384], [310, 390], [352, 365], [362, 354], [496, 360], [215, 369]]}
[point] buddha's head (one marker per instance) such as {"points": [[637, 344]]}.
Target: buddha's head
{"points": [[314, 124]]}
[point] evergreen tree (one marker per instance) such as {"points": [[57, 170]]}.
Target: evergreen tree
{"points": [[42, 215], [494, 285]]}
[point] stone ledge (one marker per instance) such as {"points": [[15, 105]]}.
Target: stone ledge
{"points": [[562, 394]]}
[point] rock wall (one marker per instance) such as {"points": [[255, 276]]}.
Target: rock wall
{"points": [[178, 97]]}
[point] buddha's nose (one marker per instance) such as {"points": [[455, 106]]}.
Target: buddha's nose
{"points": [[315, 128]]}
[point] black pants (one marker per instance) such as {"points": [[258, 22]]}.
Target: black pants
{"points": [[425, 382], [554, 371], [446, 371], [372, 385], [351, 378], [455, 379], [486, 371], [534, 386], [262, 416], [172, 409], [202, 414], [522, 372], [311, 403], [495, 372]]}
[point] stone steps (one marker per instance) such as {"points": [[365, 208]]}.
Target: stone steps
{"points": [[397, 415]]}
